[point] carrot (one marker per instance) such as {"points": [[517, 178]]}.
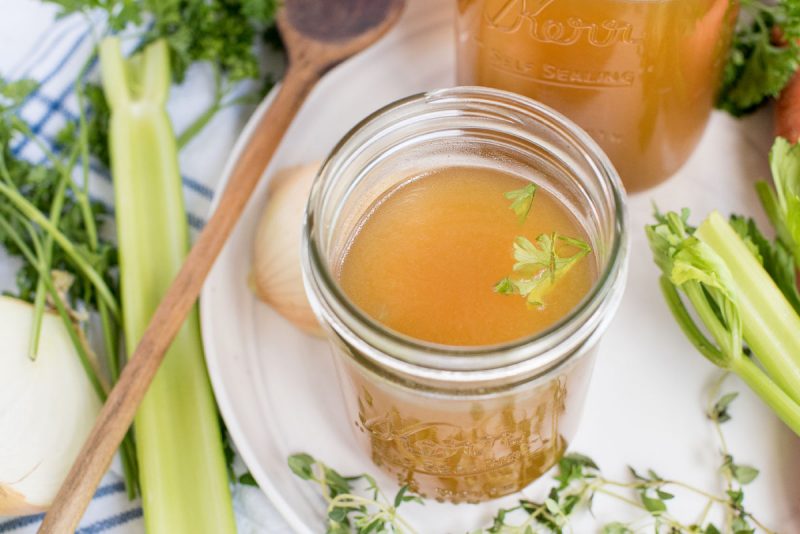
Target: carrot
{"points": [[787, 105], [787, 111]]}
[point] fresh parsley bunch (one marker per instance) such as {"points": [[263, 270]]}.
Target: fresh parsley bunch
{"points": [[43, 187], [220, 32], [764, 55], [228, 35]]}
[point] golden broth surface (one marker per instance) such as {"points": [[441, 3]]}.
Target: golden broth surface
{"points": [[426, 257]]}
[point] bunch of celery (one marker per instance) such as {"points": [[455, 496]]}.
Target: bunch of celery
{"points": [[742, 287], [182, 470]]}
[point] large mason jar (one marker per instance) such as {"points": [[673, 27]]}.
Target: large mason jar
{"points": [[464, 424], [640, 76]]}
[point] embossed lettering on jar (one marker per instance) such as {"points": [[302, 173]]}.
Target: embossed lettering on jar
{"points": [[639, 75]]}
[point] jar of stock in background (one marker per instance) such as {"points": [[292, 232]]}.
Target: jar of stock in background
{"points": [[640, 76]]}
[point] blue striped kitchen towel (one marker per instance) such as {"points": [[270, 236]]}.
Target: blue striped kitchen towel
{"points": [[35, 45]]}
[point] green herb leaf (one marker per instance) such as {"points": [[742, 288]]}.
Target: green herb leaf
{"points": [[741, 526], [541, 265], [776, 258], [552, 506], [663, 495], [654, 506], [580, 459], [302, 465], [719, 412], [346, 513], [399, 498], [337, 484], [506, 286], [522, 200], [736, 497], [635, 474], [743, 474], [758, 69], [616, 528], [782, 203], [248, 480], [13, 93]]}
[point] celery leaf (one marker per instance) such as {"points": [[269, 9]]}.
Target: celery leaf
{"points": [[782, 203], [773, 255]]}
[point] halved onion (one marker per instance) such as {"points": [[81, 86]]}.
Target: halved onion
{"points": [[276, 275], [47, 408]]}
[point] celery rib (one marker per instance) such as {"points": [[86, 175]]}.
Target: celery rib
{"points": [[770, 326], [182, 470], [782, 404]]}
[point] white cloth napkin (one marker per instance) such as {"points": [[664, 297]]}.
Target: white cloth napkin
{"points": [[35, 45]]}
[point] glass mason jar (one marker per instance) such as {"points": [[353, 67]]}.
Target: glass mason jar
{"points": [[464, 424], [640, 76]]}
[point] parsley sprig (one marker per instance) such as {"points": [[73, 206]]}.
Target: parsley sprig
{"points": [[540, 266], [522, 200]]}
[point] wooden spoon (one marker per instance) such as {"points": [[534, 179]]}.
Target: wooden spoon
{"points": [[318, 35]]}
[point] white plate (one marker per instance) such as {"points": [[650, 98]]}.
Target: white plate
{"points": [[277, 390]]}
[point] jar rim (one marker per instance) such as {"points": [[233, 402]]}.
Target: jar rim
{"points": [[410, 355]]}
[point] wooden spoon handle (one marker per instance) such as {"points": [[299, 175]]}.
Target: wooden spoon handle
{"points": [[117, 414]]}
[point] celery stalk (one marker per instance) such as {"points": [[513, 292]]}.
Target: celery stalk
{"points": [[735, 301], [183, 475], [774, 397], [769, 323]]}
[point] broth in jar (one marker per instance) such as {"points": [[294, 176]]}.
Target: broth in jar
{"points": [[425, 261], [465, 250]]}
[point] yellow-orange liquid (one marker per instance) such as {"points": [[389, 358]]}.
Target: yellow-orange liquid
{"points": [[639, 75], [424, 261], [427, 256]]}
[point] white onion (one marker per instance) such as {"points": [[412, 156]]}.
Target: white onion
{"points": [[277, 276], [47, 408]]}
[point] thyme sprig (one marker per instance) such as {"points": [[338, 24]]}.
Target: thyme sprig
{"points": [[578, 481], [349, 512]]}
